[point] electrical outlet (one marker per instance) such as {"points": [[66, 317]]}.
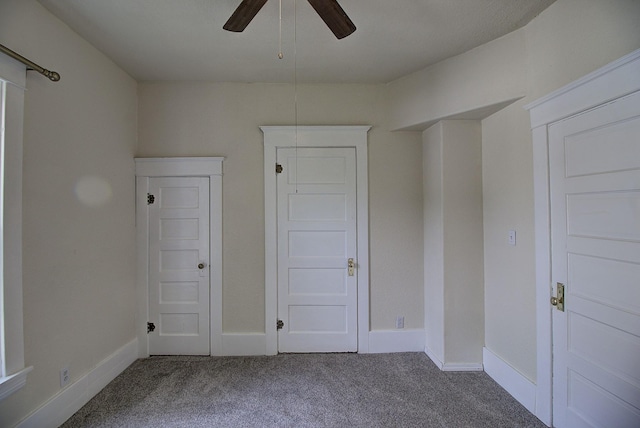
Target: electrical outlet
{"points": [[65, 377], [399, 322]]}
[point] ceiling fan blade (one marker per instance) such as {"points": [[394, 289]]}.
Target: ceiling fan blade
{"points": [[243, 15], [334, 16]]}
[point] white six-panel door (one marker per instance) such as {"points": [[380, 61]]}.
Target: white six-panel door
{"points": [[595, 215], [179, 266], [316, 210]]}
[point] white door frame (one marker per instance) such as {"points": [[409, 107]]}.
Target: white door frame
{"points": [[314, 136], [619, 78], [179, 167]]}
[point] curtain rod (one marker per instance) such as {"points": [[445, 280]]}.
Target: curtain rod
{"points": [[52, 75]]}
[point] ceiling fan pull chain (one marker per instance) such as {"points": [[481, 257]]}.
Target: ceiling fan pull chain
{"points": [[295, 79], [280, 54]]}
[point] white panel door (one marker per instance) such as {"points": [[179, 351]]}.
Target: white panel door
{"points": [[179, 266], [595, 216], [317, 292]]}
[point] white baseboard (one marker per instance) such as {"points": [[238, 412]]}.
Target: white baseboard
{"points": [[453, 367], [68, 401], [521, 388], [433, 357], [382, 341], [387, 341], [462, 367], [243, 344]]}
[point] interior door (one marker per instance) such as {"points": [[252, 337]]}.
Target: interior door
{"points": [[179, 266], [595, 216], [317, 254]]}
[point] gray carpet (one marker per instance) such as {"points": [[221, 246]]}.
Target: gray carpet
{"points": [[300, 390]]}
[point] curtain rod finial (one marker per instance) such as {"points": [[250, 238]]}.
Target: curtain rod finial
{"points": [[52, 75]]}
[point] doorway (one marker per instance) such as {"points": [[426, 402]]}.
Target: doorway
{"points": [[594, 162], [317, 264], [316, 239], [587, 205], [179, 267]]}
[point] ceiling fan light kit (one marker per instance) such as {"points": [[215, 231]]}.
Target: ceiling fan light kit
{"points": [[329, 10]]}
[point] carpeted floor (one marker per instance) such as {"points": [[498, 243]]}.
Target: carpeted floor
{"points": [[301, 390]]}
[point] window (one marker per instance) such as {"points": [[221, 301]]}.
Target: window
{"points": [[13, 374]]}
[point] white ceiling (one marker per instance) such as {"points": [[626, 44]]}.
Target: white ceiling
{"points": [[183, 40]]}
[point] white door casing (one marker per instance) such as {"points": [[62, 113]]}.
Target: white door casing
{"points": [[616, 80], [317, 290], [594, 163], [179, 266], [280, 137], [209, 170]]}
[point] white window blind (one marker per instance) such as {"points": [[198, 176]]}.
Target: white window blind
{"points": [[12, 368]]}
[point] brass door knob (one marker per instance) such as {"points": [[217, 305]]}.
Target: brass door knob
{"points": [[558, 300], [351, 265]]}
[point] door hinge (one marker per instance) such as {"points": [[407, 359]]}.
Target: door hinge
{"points": [[150, 327], [150, 199], [278, 168], [279, 324]]}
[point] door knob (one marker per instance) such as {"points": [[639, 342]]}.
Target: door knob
{"points": [[351, 265], [558, 301], [201, 265]]}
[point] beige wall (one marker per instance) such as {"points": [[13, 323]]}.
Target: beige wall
{"points": [[461, 87], [223, 119], [574, 37], [491, 74], [433, 214], [569, 39], [453, 242], [79, 257], [510, 320], [463, 258]]}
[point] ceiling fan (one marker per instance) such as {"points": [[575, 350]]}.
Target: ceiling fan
{"points": [[329, 10]]}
